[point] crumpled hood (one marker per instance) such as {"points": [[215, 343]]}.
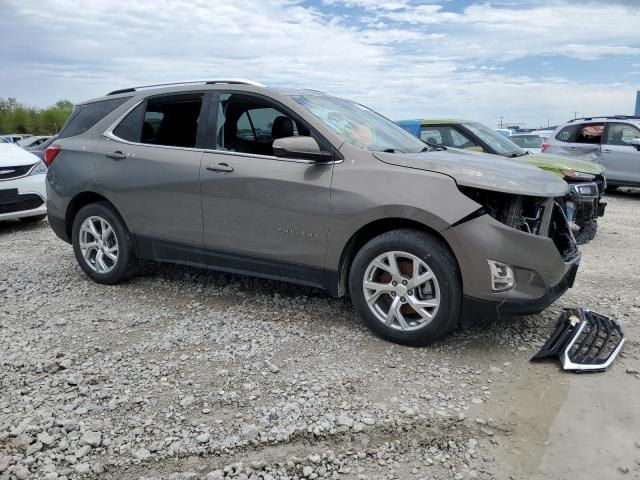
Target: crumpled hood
{"points": [[559, 162], [482, 170], [13, 156]]}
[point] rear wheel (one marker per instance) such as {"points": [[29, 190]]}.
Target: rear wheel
{"points": [[405, 285], [102, 244]]}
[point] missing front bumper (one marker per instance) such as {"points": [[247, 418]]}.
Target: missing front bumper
{"points": [[584, 341]]}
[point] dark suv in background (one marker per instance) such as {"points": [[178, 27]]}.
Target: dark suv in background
{"points": [[300, 186]]}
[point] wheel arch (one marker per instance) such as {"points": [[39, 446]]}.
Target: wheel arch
{"points": [[371, 230], [81, 200]]}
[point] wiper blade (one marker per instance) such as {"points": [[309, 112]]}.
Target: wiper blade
{"points": [[433, 146]]}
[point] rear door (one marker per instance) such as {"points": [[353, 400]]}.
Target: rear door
{"points": [[149, 167], [581, 140], [262, 213], [619, 157]]}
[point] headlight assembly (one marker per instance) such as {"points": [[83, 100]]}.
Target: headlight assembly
{"points": [[39, 169], [573, 175]]}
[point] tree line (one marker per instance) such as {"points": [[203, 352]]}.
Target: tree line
{"points": [[16, 117]]}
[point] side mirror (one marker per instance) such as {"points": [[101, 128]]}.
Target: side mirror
{"points": [[635, 142], [304, 148]]}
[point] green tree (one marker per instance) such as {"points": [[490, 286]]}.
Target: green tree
{"points": [[18, 118]]}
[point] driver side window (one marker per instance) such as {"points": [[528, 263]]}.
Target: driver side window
{"points": [[248, 124]]}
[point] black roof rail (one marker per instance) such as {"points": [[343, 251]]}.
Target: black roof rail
{"points": [[230, 81], [605, 117]]}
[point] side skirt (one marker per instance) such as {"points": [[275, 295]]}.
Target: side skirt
{"points": [[194, 256]]}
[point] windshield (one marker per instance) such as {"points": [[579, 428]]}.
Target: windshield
{"points": [[360, 126], [502, 145], [527, 141]]}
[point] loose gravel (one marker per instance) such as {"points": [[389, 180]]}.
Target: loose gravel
{"points": [[184, 373]]}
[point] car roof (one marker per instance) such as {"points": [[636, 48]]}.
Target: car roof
{"points": [[199, 86]]}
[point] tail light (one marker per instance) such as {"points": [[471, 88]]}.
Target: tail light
{"points": [[50, 154], [545, 145]]}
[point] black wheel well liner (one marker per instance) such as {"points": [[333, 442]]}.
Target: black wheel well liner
{"points": [[372, 230]]}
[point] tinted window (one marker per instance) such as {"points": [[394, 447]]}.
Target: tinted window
{"points": [[168, 120], [621, 134], [86, 116], [130, 127], [567, 134], [250, 125]]}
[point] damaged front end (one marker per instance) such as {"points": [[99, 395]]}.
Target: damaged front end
{"points": [[584, 341], [542, 216]]}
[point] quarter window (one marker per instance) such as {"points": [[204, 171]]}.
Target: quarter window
{"points": [[567, 134], [86, 116]]}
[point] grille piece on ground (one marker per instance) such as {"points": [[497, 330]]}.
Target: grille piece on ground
{"points": [[584, 341]]}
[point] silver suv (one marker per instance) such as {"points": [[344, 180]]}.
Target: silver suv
{"points": [[611, 141], [300, 186]]}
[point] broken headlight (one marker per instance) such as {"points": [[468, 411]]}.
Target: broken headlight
{"points": [[521, 212]]}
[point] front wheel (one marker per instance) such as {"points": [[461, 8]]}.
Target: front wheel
{"points": [[405, 284], [102, 244]]}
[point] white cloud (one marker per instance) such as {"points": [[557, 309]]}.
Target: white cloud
{"points": [[446, 66]]}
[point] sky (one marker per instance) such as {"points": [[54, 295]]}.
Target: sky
{"points": [[527, 62]]}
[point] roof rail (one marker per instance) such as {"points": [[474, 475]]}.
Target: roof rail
{"points": [[598, 117], [230, 81]]}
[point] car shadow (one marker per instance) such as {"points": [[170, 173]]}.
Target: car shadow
{"points": [[624, 192], [14, 226]]}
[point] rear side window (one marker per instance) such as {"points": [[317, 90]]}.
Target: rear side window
{"points": [[168, 120], [584, 133], [86, 116], [568, 134]]}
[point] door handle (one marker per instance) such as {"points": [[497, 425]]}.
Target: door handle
{"points": [[220, 167], [606, 151], [117, 155], [573, 148]]}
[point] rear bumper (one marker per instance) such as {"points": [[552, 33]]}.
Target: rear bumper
{"points": [[31, 201], [475, 308], [59, 227]]}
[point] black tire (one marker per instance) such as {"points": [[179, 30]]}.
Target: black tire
{"points": [[587, 232], [441, 262], [126, 263], [33, 219]]}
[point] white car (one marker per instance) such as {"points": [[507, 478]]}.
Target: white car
{"points": [[22, 189]]}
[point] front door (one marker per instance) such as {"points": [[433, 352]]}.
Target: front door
{"points": [[149, 165], [618, 156], [268, 212]]}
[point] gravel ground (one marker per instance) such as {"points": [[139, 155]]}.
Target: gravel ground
{"points": [[183, 373]]}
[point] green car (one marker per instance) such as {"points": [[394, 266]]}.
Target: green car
{"points": [[583, 204]]}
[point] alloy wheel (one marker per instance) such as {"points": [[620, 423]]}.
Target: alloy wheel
{"points": [[401, 290], [99, 244]]}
